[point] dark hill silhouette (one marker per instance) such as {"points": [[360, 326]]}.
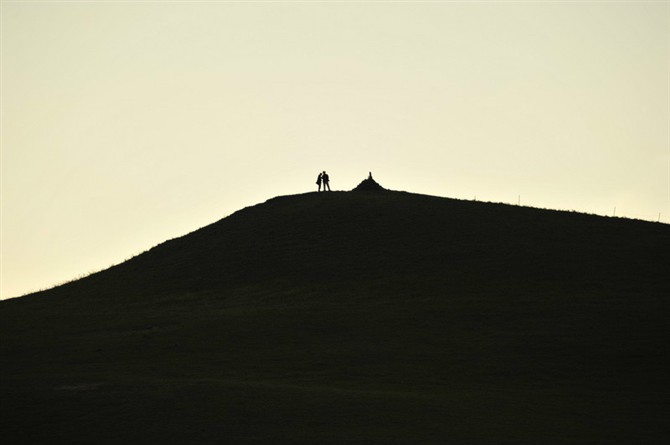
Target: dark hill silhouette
{"points": [[375, 317]]}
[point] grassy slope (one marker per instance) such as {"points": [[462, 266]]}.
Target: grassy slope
{"points": [[364, 317]]}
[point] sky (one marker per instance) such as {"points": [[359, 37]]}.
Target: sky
{"points": [[125, 124]]}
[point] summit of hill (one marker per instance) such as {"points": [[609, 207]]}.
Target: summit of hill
{"points": [[342, 316], [332, 237]]}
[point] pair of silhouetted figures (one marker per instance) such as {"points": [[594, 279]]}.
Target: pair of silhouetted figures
{"points": [[324, 180]]}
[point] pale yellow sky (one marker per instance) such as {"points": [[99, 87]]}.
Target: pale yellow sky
{"points": [[128, 123]]}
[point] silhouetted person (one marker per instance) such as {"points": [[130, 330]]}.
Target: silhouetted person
{"points": [[326, 181], [318, 181]]}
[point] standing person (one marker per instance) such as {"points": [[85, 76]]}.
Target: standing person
{"points": [[318, 181], [326, 181]]}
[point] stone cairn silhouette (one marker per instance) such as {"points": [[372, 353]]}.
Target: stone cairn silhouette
{"points": [[369, 185]]}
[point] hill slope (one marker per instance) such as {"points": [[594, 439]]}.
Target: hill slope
{"points": [[381, 317]]}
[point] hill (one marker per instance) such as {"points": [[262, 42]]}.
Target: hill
{"points": [[366, 316]]}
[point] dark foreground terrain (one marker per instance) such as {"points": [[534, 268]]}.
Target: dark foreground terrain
{"points": [[359, 317]]}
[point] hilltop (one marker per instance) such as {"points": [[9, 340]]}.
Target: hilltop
{"points": [[371, 316]]}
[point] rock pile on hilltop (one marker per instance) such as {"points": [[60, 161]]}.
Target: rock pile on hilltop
{"points": [[369, 185]]}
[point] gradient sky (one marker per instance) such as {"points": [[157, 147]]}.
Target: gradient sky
{"points": [[126, 124]]}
